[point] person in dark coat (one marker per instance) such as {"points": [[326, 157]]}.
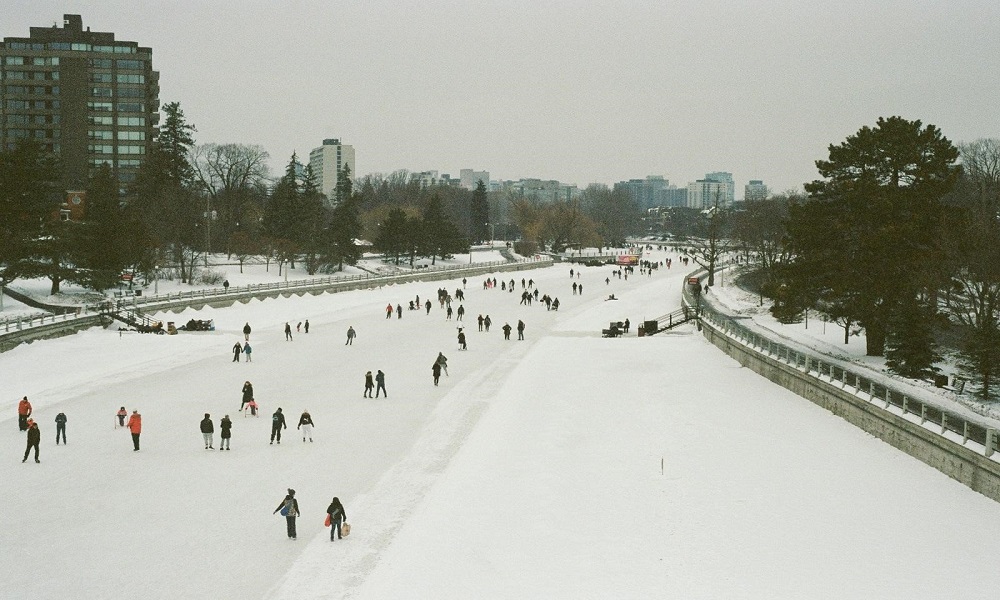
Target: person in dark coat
{"points": [[246, 332], [443, 361], [288, 332], [225, 427], [61, 427], [487, 322], [506, 331], [289, 508], [351, 334], [380, 380], [207, 431], [34, 438], [306, 425], [369, 385], [461, 340], [337, 516], [247, 395], [460, 312], [520, 329], [237, 350], [399, 311], [627, 324], [277, 424], [436, 371], [427, 305], [307, 325]]}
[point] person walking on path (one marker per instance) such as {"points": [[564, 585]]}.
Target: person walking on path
{"points": [[443, 361], [121, 414], [480, 321], [246, 332], [207, 431], [247, 395], [351, 334], [461, 340], [520, 329], [135, 426], [337, 516], [34, 438], [277, 424], [289, 509], [436, 371], [288, 332], [380, 380], [225, 432], [237, 349], [23, 412], [399, 311], [248, 351], [460, 313], [388, 311], [506, 331], [306, 425], [427, 305], [487, 322], [61, 427], [369, 384], [307, 326]]}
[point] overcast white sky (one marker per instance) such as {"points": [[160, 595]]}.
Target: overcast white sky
{"points": [[584, 91]]}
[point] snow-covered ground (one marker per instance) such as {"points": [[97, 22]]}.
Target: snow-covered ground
{"points": [[563, 466]]}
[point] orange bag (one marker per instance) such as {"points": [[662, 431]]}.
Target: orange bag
{"points": [[326, 523]]}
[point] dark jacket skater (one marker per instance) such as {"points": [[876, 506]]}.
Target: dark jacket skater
{"points": [[237, 350], [436, 371], [506, 331], [246, 332], [207, 431], [290, 508], [337, 516], [61, 427], [380, 380], [277, 424], [461, 340], [34, 437], [226, 432], [369, 385], [247, 394]]}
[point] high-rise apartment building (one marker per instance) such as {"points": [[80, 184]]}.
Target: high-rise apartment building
{"points": [[86, 97], [755, 190], [729, 186], [470, 178], [328, 161], [706, 193]]}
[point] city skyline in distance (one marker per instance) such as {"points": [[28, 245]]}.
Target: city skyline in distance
{"points": [[579, 92]]}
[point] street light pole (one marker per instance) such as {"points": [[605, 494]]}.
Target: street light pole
{"points": [[156, 280]]}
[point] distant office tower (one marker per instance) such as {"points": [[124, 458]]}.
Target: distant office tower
{"points": [[726, 179], [470, 178], [327, 162], [706, 193], [87, 98], [755, 190], [648, 192]]}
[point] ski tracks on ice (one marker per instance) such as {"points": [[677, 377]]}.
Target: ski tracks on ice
{"points": [[338, 569]]}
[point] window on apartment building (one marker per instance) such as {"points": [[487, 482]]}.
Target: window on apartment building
{"points": [[13, 60], [129, 64], [132, 135], [131, 78], [100, 63], [131, 93], [99, 120], [130, 107], [131, 121]]}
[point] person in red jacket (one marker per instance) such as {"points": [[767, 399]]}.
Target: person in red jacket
{"points": [[23, 412], [135, 426]]}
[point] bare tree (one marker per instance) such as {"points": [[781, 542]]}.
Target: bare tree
{"points": [[231, 176]]}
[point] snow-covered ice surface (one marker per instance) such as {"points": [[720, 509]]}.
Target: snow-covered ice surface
{"points": [[563, 466]]}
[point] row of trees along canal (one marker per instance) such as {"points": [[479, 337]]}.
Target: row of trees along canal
{"points": [[900, 238], [189, 200]]}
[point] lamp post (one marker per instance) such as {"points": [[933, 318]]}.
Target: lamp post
{"points": [[156, 280]]}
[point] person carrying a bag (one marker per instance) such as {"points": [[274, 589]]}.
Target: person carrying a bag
{"points": [[289, 508], [335, 515]]}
